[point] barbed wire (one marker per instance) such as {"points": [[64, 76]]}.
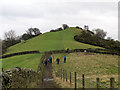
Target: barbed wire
{"points": [[99, 84]]}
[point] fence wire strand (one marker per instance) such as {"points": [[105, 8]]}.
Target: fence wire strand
{"points": [[79, 77]]}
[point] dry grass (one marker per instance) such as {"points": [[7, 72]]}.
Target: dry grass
{"points": [[92, 65]]}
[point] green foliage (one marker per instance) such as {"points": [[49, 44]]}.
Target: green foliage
{"points": [[25, 36], [56, 30], [90, 38]]}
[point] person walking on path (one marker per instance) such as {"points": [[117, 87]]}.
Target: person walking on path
{"points": [[67, 50], [57, 60], [64, 59], [50, 59], [45, 62]]}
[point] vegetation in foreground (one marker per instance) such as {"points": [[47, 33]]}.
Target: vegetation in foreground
{"points": [[92, 65], [22, 61]]}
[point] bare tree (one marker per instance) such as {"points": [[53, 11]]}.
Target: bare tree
{"points": [[100, 33], [10, 35], [109, 38]]}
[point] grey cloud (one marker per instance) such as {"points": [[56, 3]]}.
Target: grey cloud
{"points": [[48, 15]]}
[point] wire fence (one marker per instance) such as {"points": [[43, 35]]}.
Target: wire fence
{"points": [[81, 81]]}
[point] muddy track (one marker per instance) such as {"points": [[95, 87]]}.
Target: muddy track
{"points": [[48, 80]]}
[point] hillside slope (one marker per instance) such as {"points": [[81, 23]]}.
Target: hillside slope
{"points": [[51, 41]]}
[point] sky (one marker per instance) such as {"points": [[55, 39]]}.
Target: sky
{"points": [[19, 15]]}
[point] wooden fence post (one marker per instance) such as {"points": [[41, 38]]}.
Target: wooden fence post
{"points": [[63, 75], [111, 82], [97, 80], [66, 76], [2, 70], [75, 82], [70, 77], [83, 82]]}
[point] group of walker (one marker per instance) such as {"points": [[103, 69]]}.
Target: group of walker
{"points": [[50, 60], [58, 60]]}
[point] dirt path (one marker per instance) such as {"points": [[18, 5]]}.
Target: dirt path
{"points": [[48, 80]]}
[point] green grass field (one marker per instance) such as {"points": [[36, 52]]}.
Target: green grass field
{"points": [[92, 65], [23, 61], [45, 42], [51, 41]]}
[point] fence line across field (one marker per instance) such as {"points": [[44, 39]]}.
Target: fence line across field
{"points": [[65, 75], [72, 81], [98, 83]]}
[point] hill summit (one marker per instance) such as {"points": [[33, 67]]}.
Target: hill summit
{"points": [[51, 41]]}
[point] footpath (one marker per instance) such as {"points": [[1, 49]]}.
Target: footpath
{"points": [[48, 80]]}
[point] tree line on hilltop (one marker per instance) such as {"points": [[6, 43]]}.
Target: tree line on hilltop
{"points": [[10, 38], [97, 38]]}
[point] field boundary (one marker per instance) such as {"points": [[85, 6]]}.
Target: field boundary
{"points": [[60, 51], [19, 53]]}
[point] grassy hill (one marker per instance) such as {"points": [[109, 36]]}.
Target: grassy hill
{"points": [[45, 42], [51, 41]]}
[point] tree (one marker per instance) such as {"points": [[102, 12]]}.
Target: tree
{"points": [[33, 31], [86, 27], [109, 38], [10, 35], [10, 39], [25, 36], [0, 47], [65, 26], [100, 33]]}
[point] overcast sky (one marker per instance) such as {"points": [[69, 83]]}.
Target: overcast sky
{"points": [[19, 15]]}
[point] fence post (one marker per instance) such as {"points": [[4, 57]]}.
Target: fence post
{"points": [[83, 82], [2, 70], [75, 82], [97, 80], [63, 75], [58, 72], [111, 82], [70, 77], [66, 76]]}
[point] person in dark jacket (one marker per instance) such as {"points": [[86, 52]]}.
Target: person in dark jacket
{"points": [[64, 59], [50, 59], [67, 50], [57, 60], [45, 62]]}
